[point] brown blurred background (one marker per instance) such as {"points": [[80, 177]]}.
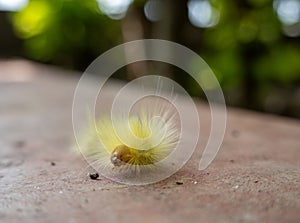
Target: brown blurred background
{"points": [[252, 46]]}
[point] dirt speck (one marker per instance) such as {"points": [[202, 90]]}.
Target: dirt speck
{"points": [[19, 210], [235, 133], [94, 176], [19, 143]]}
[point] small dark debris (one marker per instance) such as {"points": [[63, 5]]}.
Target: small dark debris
{"points": [[179, 182], [232, 161], [94, 189], [53, 163], [19, 210], [94, 176], [207, 173], [259, 191], [38, 210], [256, 181], [19, 144], [235, 133]]}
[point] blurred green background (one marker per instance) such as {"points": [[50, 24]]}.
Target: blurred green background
{"points": [[252, 45]]}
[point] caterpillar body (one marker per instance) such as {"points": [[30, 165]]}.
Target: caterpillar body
{"points": [[148, 140]]}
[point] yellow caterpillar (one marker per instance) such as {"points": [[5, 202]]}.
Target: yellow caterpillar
{"points": [[148, 141]]}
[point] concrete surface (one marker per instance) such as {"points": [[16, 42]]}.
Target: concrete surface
{"points": [[255, 177]]}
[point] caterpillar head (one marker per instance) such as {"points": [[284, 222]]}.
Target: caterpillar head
{"points": [[121, 155]]}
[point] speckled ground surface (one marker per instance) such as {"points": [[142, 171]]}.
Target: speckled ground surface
{"points": [[255, 177]]}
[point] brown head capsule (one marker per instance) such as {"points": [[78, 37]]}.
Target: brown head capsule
{"points": [[121, 155]]}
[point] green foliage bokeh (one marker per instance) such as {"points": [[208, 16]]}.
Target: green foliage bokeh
{"points": [[247, 49], [65, 32]]}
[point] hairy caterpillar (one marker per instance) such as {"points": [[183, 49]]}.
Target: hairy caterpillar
{"points": [[101, 145], [150, 138]]}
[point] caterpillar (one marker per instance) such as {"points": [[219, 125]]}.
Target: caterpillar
{"points": [[149, 138]]}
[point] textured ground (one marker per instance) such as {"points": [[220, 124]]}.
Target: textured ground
{"points": [[255, 177]]}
